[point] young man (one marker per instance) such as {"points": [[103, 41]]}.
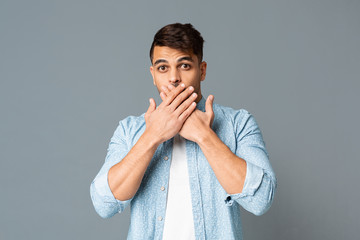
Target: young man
{"points": [[187, 165]]}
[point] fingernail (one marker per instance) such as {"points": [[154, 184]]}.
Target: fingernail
{"points": [[183, 85], [194, 94], [191, 88]]}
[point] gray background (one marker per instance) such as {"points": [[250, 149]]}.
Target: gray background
{"points": [[70, 70]]}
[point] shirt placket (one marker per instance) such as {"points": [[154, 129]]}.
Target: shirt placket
{"points": [[196, 198], [165, 159]]}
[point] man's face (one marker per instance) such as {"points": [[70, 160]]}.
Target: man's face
{"points": [[171, 66]]}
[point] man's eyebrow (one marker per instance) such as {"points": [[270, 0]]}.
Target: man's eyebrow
{"points": [[185, 59], [160, 61]]}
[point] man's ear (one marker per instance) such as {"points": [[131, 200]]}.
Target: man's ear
{"points": [[152, 74], [203, 66]]}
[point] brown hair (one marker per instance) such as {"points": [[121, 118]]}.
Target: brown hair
{"points": [[183, 37]]}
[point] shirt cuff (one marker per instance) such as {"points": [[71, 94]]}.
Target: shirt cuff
{"points": [[102, 187], [253, 179]]}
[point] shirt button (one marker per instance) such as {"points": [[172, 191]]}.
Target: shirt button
{"points": [[166, 158], [162, 188], [160, 218]]}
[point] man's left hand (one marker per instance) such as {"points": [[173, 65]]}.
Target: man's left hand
{"points": [[198, 124]]}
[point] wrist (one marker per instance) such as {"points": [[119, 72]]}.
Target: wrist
{"points": [[204, 136], [152, 140]]}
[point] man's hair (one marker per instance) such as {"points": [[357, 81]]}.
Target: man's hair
{"points": [[183, 37]]}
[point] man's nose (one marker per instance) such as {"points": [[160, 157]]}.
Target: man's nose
{"points": [[174, 76]]}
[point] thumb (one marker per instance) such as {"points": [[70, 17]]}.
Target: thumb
{"points": [[152, 106], [209, 104]]}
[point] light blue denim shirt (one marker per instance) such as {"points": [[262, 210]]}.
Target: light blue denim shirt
{"points": [[216, 213]]}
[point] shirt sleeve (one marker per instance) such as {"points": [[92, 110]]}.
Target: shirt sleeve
{"points": [[260, 181], [105, 204]]}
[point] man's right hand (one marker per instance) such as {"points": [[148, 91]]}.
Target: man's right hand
{"points": [[165, 121]]}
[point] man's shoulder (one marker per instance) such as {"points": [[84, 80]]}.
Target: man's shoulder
{"points": [[230, 113], [132, 123], [233, 119], [131, 119]]}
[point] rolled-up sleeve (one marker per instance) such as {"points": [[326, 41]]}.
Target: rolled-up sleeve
{"points": [[260, 181], [105, 204]]}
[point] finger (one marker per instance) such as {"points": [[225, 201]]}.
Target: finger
{"points": [[209, 104], [187, 112], [163, 96], [165, 90], [174, 93], [152, 106], [183, 106], [171, 87], [181, 98]]}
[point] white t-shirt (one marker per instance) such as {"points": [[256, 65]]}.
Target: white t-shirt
{"points": [[179, 222]]}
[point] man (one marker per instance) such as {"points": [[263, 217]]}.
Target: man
{"points": [[187, 165]]}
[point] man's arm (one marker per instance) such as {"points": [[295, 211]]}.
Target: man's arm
{"points": [[230, 170], [247, 183], [245, 175], [124, 176]]}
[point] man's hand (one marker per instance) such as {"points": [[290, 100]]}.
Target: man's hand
{"points": [[166, 120], [198, 123]]}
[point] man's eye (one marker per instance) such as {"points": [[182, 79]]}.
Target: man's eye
{"points": [[185, 66], [162, 68]]}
